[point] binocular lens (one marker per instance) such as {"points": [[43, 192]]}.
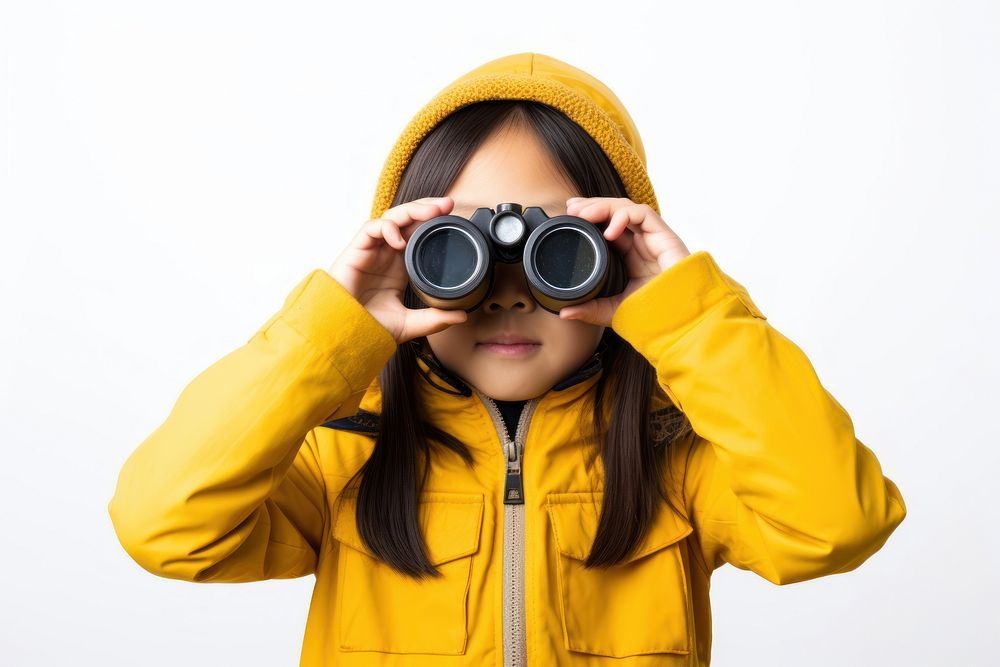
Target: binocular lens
{"points": [[447, 257], [565, 258]]}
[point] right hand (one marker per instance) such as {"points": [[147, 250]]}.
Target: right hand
{"points": [[372, 269]]}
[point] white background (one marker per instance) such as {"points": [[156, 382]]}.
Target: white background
{"points": [[172, 170]]}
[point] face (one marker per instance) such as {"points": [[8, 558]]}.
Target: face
{"points": [[513, 166]]}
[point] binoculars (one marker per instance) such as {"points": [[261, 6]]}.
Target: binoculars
{"points": [[566, 259]]}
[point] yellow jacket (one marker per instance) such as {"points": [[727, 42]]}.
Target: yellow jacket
{"points": [[243, 482]]}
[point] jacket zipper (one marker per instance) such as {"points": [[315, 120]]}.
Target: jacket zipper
{"points": [[514, 643]]}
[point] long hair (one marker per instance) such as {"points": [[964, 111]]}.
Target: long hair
{"points": [[632, 454]]}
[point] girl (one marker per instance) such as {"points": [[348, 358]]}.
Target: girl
{"points": [[509, 486]]}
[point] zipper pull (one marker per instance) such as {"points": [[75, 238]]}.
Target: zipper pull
{"points": [[513, 493]]}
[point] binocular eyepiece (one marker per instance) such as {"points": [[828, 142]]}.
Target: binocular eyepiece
{"points": [[566, 259]]}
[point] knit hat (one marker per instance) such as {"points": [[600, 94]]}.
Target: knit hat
{"points": [[530, 76]]}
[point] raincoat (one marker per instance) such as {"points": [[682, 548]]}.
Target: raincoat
{"points": [[245, 480]]}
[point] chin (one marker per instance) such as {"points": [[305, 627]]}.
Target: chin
{"points": [[508, 393]]}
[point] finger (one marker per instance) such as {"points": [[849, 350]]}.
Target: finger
{"points": [[391, 233], [376, 231], [394, 234], [598, 209], [620, 213], [585, 312], [595, 311], [425, 321], [624, 231], [633, 217], [580, 202], [418, 210], [624, 243], [576, 312], [623, 235]]}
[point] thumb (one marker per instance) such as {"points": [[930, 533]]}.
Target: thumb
{"points": [[595, 311], [581, 311], [424, 321]]}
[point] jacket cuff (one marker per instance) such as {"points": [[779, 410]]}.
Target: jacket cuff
{"points": [[672, 303], [323, 312]]}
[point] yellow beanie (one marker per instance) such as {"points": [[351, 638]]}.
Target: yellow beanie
{"points": [[530, 76]]}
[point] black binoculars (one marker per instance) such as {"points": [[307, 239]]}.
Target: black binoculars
{"points": [[566, 259]]}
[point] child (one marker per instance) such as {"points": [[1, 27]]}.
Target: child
{"points": [[461, 501]]}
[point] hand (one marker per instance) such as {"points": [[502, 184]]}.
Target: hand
{"points": [[372, 269], [639, 235]]}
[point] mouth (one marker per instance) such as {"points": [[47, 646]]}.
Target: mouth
{"points": [[515, 350], [509, 345]]}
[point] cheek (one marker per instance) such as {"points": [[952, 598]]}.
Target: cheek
{"points": [[574, 339], [454, 339]]}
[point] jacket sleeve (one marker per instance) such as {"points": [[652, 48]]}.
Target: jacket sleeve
{"points": [[230, 488], [775, 480]]}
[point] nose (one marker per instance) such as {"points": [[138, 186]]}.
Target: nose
{"points": [[510, 290]]}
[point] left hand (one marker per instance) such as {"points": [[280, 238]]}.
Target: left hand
{"points": [[639, 235]]}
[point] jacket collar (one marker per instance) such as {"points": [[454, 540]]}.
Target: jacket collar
{"points": [[453, 399]]}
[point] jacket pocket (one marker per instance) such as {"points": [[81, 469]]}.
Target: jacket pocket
{"points": [[638, 606], [379, 609]]}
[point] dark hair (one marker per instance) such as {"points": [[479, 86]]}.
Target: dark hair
{"points": [[387, 500]]}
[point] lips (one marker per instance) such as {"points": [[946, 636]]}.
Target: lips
{"points": [[508, 339]]}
